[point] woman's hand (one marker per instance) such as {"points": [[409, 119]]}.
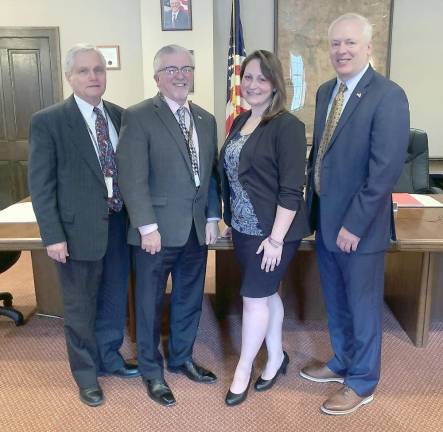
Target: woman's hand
{"points": [[227, 232], [271, 255]]}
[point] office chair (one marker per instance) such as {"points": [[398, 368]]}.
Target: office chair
{"points": [[415, 175], [7, 260]]}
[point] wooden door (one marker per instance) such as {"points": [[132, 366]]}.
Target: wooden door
{"points": [[30, 79]]}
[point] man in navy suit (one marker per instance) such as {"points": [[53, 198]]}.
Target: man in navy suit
{"points": [[356, 159]]}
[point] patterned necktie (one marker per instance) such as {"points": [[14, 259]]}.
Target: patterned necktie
{"points": [[331, 123], [107, 159], [188, 138]]}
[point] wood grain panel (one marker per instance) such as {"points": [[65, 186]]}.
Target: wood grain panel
{"points": [[437, 288], [6, 192], [406, 290], [27, 97], [47, 291], [2, 112]]}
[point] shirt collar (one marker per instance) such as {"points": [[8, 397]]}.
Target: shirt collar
{"points": [[173, 105], [351, 83], [86, 108]]}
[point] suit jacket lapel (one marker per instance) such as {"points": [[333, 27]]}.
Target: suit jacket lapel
{"points": [[115, 118], [172, 126], [248, 150], [202, 130], [81, 139], [322, 108], [354, 100]]}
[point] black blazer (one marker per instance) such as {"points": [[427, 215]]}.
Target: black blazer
{"points": [[66, 182], [272, 171]]}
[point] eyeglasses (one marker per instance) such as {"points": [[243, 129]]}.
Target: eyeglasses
{"points": [[173, 70]]}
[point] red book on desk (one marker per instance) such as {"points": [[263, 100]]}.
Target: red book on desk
{"points": [[406, 200], [416, 200]]}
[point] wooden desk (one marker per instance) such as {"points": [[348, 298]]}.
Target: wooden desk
{"points": [[413, 275], [413, 286], [414, 270], [26, 236]]}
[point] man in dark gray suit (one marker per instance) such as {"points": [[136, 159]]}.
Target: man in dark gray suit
{"points": [[167, 161], [82, 220]]}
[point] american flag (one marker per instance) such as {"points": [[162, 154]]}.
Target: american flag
{"points": [[236, 54]]}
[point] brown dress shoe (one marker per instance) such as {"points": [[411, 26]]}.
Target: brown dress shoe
{"points": [[345, 401], [321, 374]]}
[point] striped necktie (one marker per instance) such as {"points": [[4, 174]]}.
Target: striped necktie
{"points": [[188, 138]]}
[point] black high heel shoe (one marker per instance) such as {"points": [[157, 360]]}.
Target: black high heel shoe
{"points": [[262, 384], [233, 399]]}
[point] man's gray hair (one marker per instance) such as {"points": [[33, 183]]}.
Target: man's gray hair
{"points": [[366, 25], [80, 48], [170, 49]]}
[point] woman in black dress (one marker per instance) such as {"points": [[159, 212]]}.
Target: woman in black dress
{"points": [[263, 168]]}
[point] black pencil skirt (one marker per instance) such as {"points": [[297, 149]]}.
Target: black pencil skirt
{"points": [[255, 282]]}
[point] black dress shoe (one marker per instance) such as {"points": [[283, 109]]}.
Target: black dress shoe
{"points": [[92, 396], [128, 370], [159, 391], [194, 372], [262, 384], [233, 399]]}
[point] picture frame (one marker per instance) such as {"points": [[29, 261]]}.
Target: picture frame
{"points": [[111, 53], [301, 44], [191, 87], [176, 15]]}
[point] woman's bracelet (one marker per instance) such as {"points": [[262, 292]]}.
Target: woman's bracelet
{"points": [[274, 243]]}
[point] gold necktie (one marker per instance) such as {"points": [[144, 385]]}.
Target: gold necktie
{"points": [[331, 123]]}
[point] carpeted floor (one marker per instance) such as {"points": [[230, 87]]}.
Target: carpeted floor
{"points": [[38, 394]]}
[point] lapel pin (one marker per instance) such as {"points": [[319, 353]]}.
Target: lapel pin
{"points": [[199, 117], [358, 95]]}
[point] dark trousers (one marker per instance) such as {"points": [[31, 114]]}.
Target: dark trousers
{"points": [[94, 302], [353, 293], [187, 266]]}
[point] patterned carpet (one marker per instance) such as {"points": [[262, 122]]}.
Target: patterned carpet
{"points": [[37, 392]]}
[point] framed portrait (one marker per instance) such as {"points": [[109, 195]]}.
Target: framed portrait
{"points": [[301, 44], [111, 54], [176, 15]]}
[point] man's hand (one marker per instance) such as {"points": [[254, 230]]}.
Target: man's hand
{"points": [[58, 251], [151, 242], [271, 255], [346, 241], [211, 232]]}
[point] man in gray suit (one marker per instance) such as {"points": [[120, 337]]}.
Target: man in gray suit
{"points": [[82, 220], [167, 161]]}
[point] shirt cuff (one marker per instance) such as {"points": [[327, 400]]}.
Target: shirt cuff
{"points": [[147, 229], [213, 219]]}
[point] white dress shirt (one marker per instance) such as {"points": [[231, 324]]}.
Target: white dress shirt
{"points": [[89, 115], [350, 87]]}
